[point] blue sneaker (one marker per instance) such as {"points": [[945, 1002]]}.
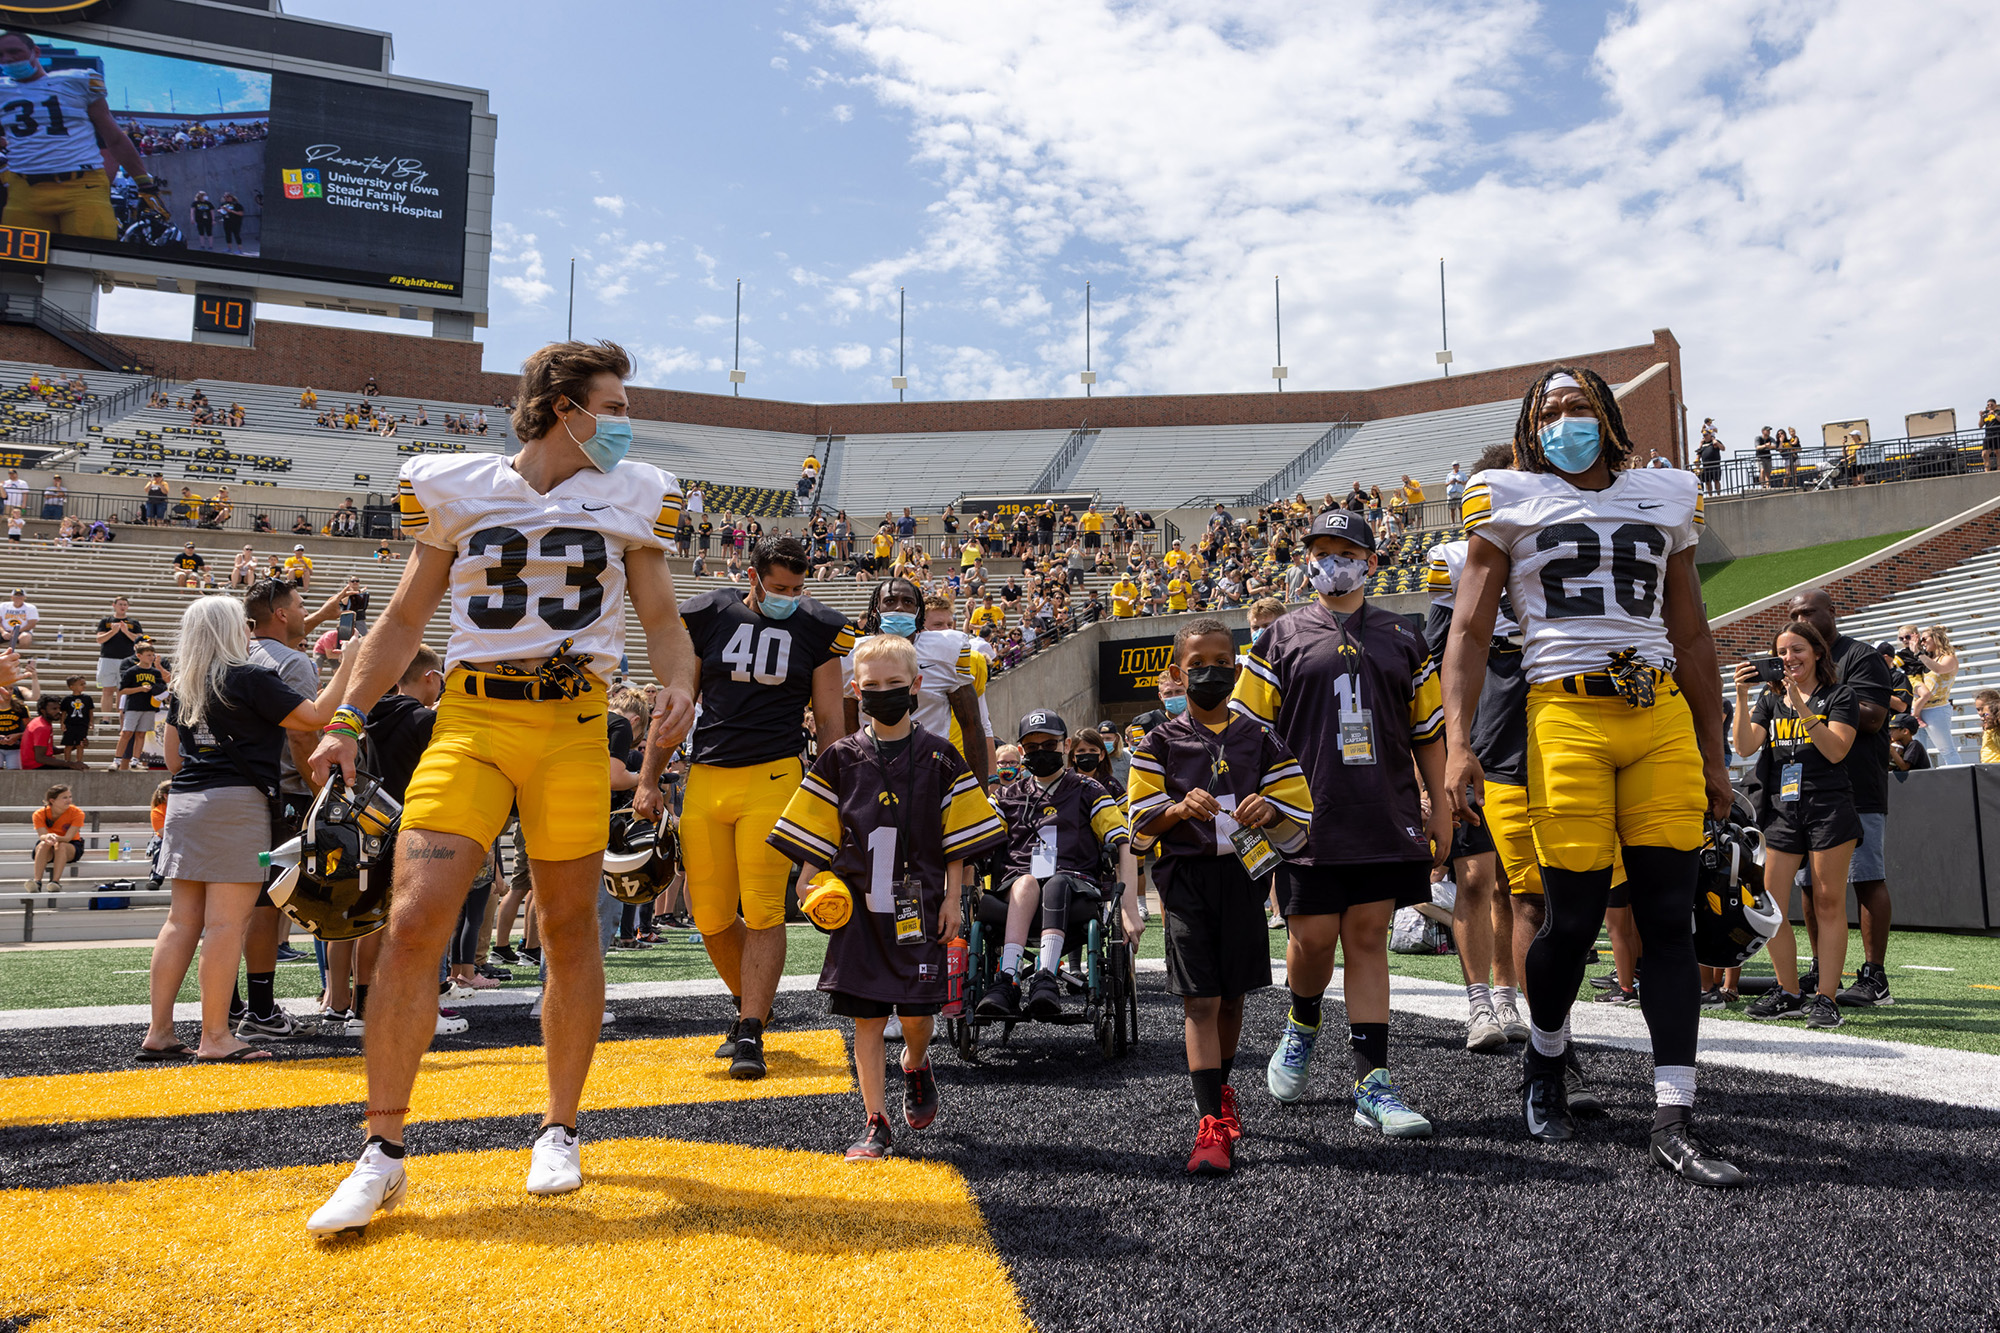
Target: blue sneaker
{"points": [[1377, 1107], [1289, 1071]]}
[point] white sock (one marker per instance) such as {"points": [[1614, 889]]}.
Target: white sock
{"points": [[1010, 959], [1052, 945], [1566, 1037], [1505, 997], [1550, 1044], [1673, 1085], [1478, 997]]}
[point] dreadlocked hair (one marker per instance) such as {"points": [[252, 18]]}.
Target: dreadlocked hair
{"points": [[1528, 455], [871, 619]]}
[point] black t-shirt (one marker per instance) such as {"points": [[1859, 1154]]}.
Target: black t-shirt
{"points": [[77, 710], [151, 678], [618, 740], [1786, 741], [399, 731], [190, 561], [1915, 755], [1859, 667], [119, 646], [249, 717]]}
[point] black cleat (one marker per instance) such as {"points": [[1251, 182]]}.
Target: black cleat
{"points": [[1545, 1099], [505, 953], [728, 1047], [920, 1097], [748, 1062], [1044, 996], [1582, 1101], [1002, 1000], [1677, 1149]]}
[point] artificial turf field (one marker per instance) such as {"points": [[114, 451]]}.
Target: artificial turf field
{"points": [[1050, 1193]]}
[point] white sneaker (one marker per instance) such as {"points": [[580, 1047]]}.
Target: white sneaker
{"points": [[376, 1185], [555, 1164], [893, 1029], [449, 1023]]}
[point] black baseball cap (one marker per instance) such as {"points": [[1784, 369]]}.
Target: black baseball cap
{"points": [[1044, 721], [1888, 649], [1344, 524]]}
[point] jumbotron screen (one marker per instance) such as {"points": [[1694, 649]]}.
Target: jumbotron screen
{"points": [[262, 173]]}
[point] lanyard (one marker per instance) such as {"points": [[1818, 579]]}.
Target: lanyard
{"points": [[1350, 640], [899, 804]]}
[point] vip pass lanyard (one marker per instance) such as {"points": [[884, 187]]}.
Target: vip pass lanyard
{"points": [[906, 893], [1791, 774], [1356, 722], [1252, 848]]}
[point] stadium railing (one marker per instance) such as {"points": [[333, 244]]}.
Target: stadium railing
{"points": [[130, 824], [1819, 467], [53, 430], [375, 519]]}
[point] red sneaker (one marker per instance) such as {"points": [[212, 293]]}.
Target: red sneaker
{"points": [[1211, 1149], [1228, 1118]]}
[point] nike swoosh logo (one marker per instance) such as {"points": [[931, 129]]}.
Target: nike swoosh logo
{"points": [[581, 719], [1642, 505], [591, 509], [1535, 1126], [774, 776]]}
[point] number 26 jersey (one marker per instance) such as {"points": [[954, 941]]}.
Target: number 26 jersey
{"points": [[532, 570], [1589, 568]]}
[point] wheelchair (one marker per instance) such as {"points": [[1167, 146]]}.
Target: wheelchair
{"points": [[1100, 965]]}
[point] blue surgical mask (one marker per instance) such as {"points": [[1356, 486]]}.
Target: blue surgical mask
{"points": [[608, 444], [775, 607], [1175, 704], [903, 623], [1572, 444], [25, 69]]}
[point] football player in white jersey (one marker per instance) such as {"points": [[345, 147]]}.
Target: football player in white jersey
{"points": [[948, 699], [537, 553], [1624, 724], [53, 122]]}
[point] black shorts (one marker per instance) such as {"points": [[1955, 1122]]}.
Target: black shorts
{"points": [[1092, 540], [841, 1004], [1305, 890], [1471, 840], [1218, 943], [75, 733], [1814, 824]]}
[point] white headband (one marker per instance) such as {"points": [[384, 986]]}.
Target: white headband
{"points": [[1562, 382]]}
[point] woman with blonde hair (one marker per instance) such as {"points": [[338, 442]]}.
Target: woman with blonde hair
{"points": [[226, 725], [1932, 703]]}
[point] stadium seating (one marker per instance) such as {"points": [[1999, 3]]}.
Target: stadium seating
{"points": [[766, 459], [1423, 445], [928, 470], [1163, 467], [22, 408]]}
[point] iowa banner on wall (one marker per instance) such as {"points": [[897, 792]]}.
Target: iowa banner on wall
{"points": [[1128, 670]]}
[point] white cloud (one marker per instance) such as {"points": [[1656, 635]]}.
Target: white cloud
{"points": [[515, 249], [618, 265], [658, 363], [793, 39], [843, 113], [852, 356], [1796, 187], [611, 203], [780, 63]]}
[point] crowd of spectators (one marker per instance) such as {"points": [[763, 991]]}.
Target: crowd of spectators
{"points": [[152, 138]]}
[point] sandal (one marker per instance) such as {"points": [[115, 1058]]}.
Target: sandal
{"points": [[178, 1051], [243, 1055]]}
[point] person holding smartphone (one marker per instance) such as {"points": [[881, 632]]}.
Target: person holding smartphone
{"points": [[1800, 730]]}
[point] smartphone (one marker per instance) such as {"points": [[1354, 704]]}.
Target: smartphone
{"points": [[1770, 669], [346, 626]]}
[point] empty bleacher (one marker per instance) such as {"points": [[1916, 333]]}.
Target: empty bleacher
{"points": [[765, 459], [1423, 445], [1157, 467], [23, 409], [1965, 599], [927, 470]]}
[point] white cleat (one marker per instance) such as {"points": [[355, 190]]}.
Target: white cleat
{"points": [[376, 1185], [555, 1164]]}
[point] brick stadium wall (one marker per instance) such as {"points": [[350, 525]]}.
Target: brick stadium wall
{"points": [[1752, 633], [338, 360]]}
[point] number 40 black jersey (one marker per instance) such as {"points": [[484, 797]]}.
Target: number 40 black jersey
{"points": [[756, 674], [1589, 568]]}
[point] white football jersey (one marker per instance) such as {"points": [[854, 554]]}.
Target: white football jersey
{"points": [[1441, 578], [944, 660], [1589, 567], [532, 570], [47, 122]]}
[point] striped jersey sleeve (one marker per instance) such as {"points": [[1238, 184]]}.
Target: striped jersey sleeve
{"points": [[1427, 704], [1476, 506], [409, 508], [1258, 694], [1107, 821], [1283, 784], [809, 829], [669, 520], [1146, 784], [972, 827], [1437, 575], [1700, 513], [843, 642]]}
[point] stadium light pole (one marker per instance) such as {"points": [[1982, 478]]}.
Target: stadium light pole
{"points": [[1278, 372], [736, 363], [1444, 324], [569, 332], [902, 381], [1089, 375]]}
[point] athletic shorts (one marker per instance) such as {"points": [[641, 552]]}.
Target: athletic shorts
{"points": [[486, 756], [110, 672], [1092, 540], [1868, 862], [1218, 943], [74, 733], [1329, 890], [726, 815], [1602, 773], [1468, 840], [141, 719], [842, 1004], [1815, 824]]}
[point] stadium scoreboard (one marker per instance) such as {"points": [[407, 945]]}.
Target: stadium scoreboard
{"points": [[225, 317], [24, 245]]}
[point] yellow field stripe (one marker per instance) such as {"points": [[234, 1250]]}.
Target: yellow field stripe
{"points": [[454, 1085], [663, 1234]]}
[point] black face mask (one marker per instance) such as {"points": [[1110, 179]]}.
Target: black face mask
{"points": [[1043, 763], [887, 706], [1209, 686], [1084, 761]]}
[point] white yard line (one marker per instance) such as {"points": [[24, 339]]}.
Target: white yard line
{"points": [[1929, 1073]]}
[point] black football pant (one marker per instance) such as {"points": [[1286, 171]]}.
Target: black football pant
{"points": [[1661, 882]]}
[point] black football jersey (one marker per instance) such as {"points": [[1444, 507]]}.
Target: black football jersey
{"points": [[875, 817], [756, 674], [1500, 727], [1243, 759], [1300, 674], [1071, 822]]}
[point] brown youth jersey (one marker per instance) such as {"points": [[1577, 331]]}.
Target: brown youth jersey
{"points": [[1300, 675], [1231, 764], [1065, 826], [873, 818]]}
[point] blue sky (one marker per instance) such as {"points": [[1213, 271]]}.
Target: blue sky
{"points": [[139, 81], [1793, 186]]}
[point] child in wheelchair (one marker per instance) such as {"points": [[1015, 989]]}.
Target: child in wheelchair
{"points": [[1224, 797], [891, 810], [1060, 825]]}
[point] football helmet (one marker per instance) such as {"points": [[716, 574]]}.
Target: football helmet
{"points": [[339, 887], [638, 860], [1733, 915]]}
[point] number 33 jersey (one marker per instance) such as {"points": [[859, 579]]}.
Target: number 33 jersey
{"points": [[757, 674], [532, 570], [1589, 567]]}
